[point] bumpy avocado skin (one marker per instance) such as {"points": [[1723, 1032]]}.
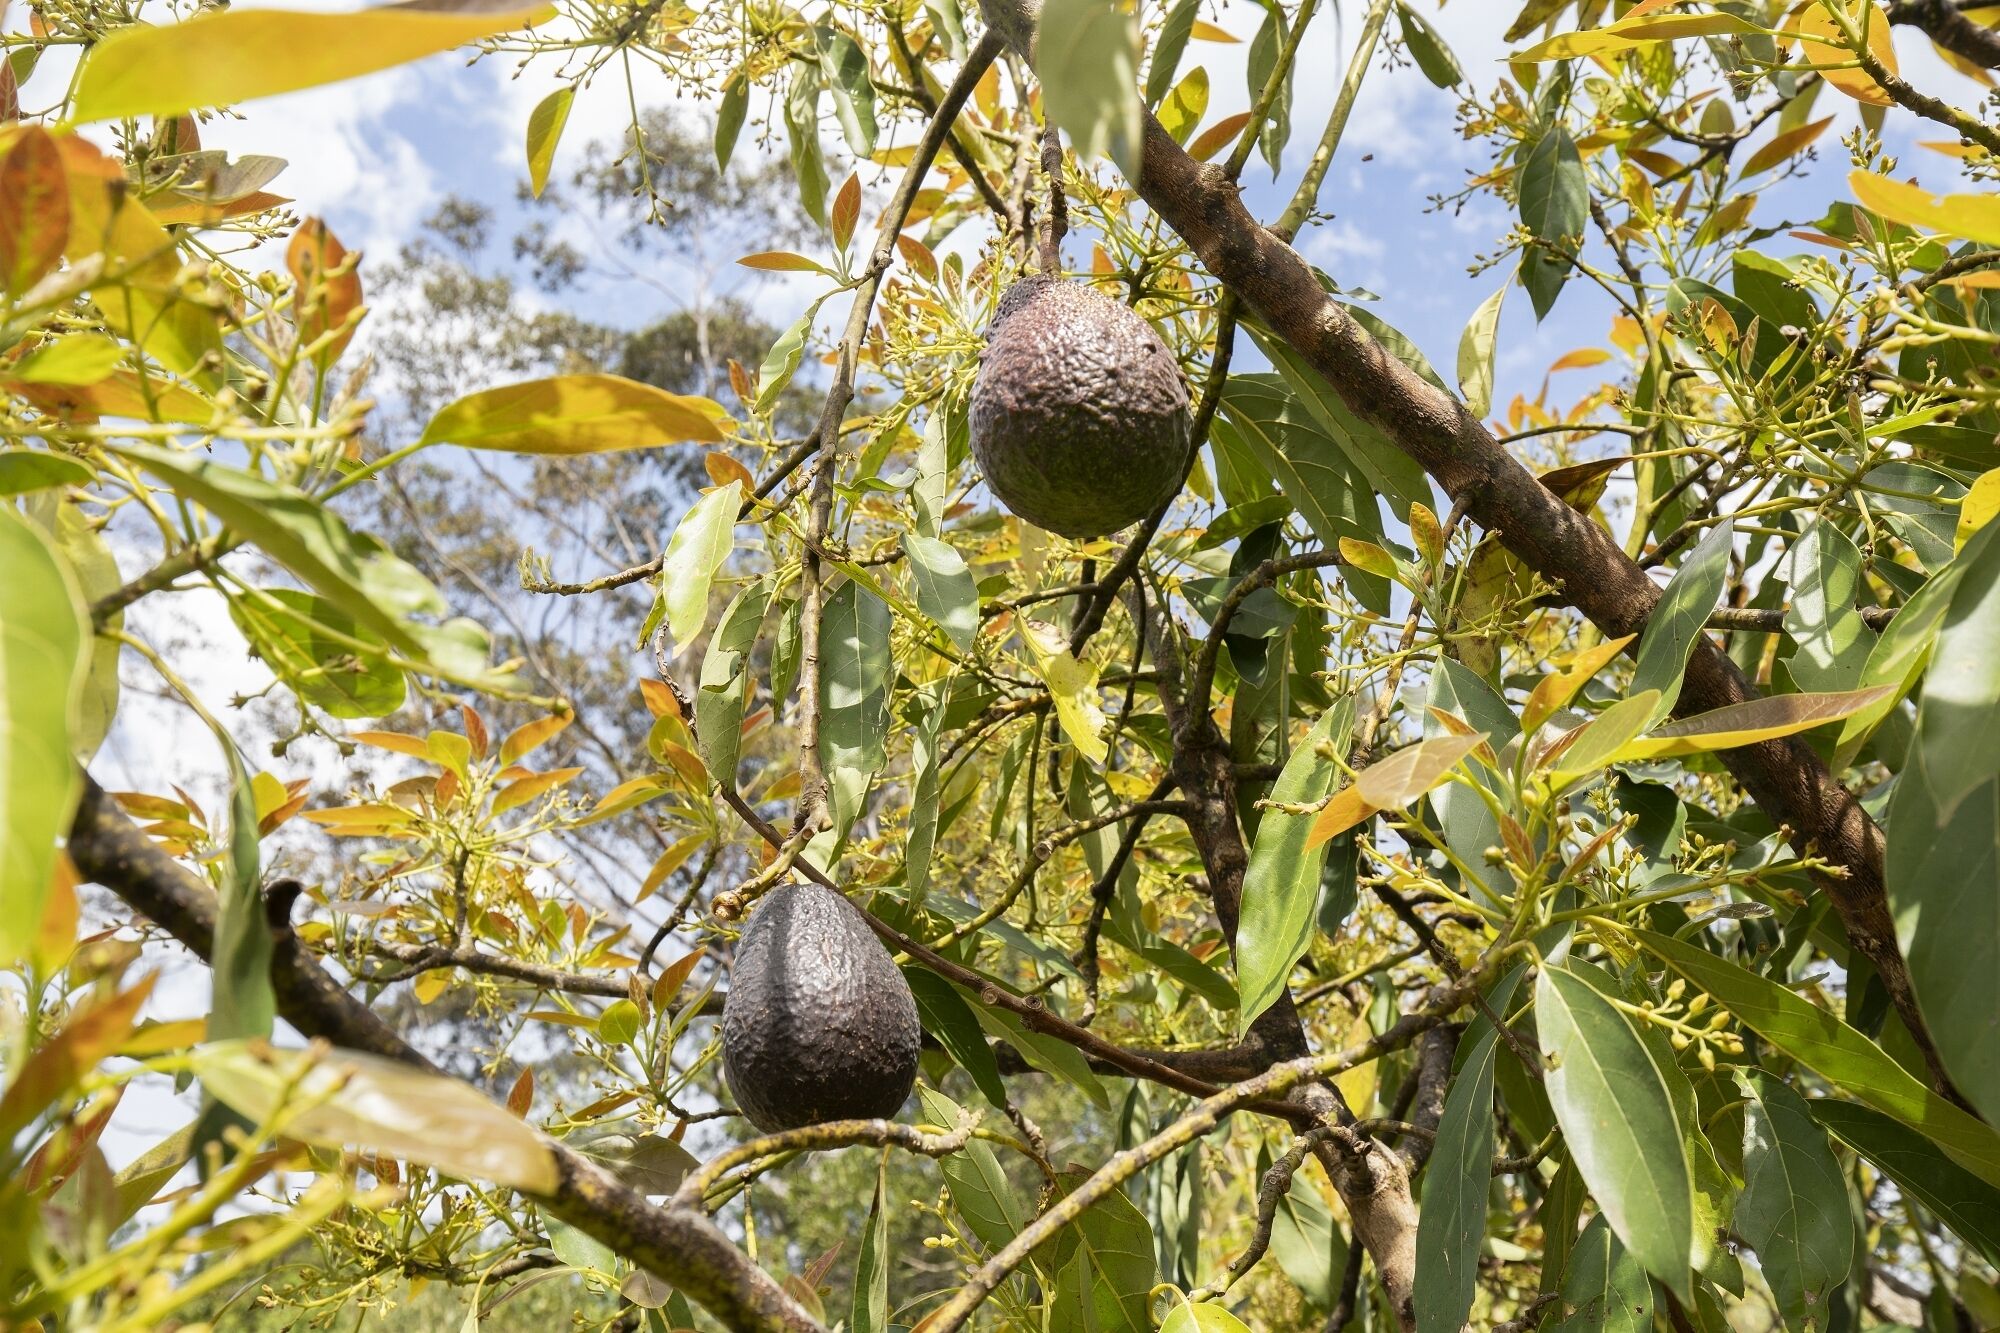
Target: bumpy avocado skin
{"points": [[819, 1024], [1079, 412]]}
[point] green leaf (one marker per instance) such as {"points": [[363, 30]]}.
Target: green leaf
{"points": [[946, 590], [950, 25], [1265, 48], [802, 134], [1942, 871], [1834, 643], [1678, 617], [1051, 1055], [43, 668], [79, 358], [1207, 1317], [545, 127], [1399, 479], [1793, 1209], [579, 1249], [1960, 710], [1308, 1244], [1834, 1051], [80, 545], [930, 702], [845, 67], [701, 543], [1167, 49], [354, 572], [950, 1019], [782, 361], [222, 57], [25, 470], [1617, 1117], [1261, 419], [384, 1106], [1428, 49], [619, 1023], [1604, 1289], [979, 1189], [1900, 654], [1475, 354], [729, 116], [855, 670], [1087, 57], [869, 1310], [1185, 105], [1281, 886], [1451, 1227], [1962, 1201], [1105, 1265], [726, 681], [303, 637], [576, 414], [1555, 204]]}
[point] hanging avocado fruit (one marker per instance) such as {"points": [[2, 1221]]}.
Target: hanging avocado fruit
{"points": [[1079, 413], [819, 1024]]}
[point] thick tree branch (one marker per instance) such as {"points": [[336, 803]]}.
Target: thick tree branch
{"points": [[679, 1244], [1946, 24]]}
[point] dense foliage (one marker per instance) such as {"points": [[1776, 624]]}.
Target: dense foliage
{"points": [[1457, 864]]}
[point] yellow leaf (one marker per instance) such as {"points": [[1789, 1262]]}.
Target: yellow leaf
{"points": [[576, 414], [1581, 358], [670, 860], [1978, 507], [545, 127], [1208, 32], [1974, 217], [531, 734], [431, 984], [370, 813], [627, 795], [1555, 692], [1635, 30], [1218, 136], [527, 789], [1598, 742], [1392, 784], [1072, 687], [1747, 723], [1367, 556], [393, 740], [221, 57], [158, 1038], [1830, 52]]}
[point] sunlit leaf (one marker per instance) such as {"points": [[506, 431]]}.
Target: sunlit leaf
{"points": [[1825, 47], [1747, 723], [576, 414], [384, 1106], [221, 57], [1072, 687], [1393, 783], [701, 542], [545, 127], [43, 669], [1087, 55], [1618, 1120], [1628, 33]]}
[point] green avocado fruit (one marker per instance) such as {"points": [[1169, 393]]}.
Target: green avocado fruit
{"points": [[1079, 412], [819, 1024]]}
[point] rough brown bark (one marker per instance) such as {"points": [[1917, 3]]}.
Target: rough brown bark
{"points": [[1578, 557], [1946, 24], [679, 1244]]}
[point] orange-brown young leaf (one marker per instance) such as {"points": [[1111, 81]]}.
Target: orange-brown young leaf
{"points": [[522, 1095], [328, 288], [34, 209], [475, 730], [846, 211]]}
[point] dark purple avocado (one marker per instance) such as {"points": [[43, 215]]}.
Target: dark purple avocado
{"points": [[820, 1024], [1079, 412]]}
